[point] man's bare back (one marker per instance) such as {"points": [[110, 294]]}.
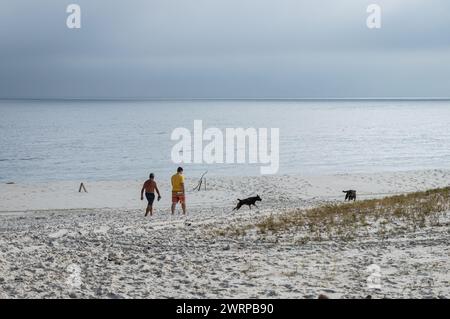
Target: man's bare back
{"points": [[149, 186]]}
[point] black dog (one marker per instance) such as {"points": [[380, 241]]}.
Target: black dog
{"points": [[248, 201], [350, 195]]}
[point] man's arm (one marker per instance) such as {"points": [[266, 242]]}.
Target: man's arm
{"points": [[157, 191], [182, 184], [142, 192]]}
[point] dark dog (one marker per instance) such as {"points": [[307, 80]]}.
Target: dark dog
{"points": [[350, 195], [248, 201]]}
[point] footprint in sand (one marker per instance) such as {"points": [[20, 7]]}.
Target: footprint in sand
{"points": [[101, 230], [60, 233]]}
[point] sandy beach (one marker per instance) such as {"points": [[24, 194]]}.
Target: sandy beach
{"points": [[333, 119], [58, 243]]}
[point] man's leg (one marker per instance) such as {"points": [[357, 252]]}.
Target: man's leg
{"points": [[173, 208], [151, 210], [147, 210], [183, 206]]}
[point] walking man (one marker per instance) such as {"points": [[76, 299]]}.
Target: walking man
{"points": [[149, 187], [178, 190]]}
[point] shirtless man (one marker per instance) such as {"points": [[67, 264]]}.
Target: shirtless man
{"points": [[150, 187]]}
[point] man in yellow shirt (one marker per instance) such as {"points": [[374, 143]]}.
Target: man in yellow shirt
{"points": [[178, 194]]}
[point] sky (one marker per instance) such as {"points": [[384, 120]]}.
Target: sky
{"points": [[224, 49]]}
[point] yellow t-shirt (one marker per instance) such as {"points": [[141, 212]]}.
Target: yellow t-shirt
{"points": [[177, 181]]}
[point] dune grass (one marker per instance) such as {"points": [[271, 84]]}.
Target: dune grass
{"points": [[348, 220]]}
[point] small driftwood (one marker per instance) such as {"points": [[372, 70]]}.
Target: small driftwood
{"points": [[82, 188], [200, 182]]}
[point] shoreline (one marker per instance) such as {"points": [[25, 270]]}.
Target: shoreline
{"points": [[221, 191]]}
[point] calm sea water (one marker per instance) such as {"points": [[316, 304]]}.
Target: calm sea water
{"points": [[55, 140]]}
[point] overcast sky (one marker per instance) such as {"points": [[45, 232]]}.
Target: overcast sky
{"points": [[224, 49]]}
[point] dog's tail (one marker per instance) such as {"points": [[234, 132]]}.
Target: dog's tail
{"points": [[236, 206]]}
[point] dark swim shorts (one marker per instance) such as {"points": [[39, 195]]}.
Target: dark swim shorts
{"points": [[150, 198]]}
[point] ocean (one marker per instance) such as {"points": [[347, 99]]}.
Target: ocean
{"points": [[123, 140]]}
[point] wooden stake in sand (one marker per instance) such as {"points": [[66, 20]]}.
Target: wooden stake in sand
{"points": [[200, 182], [82, 188]]}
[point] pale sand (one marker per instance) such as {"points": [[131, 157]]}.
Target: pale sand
{"points": [[50, 233]]}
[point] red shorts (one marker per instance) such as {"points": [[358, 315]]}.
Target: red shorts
{"points": [[178, 197]]}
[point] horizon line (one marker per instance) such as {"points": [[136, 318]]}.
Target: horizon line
{"points": [[228, 99]]}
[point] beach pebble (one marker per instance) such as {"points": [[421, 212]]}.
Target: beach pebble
{"points": [[73, 295], [272, 293], [112, 256], [331, 291]]}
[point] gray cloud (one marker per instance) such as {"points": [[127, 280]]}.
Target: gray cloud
{"points": [[226, 49]]}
